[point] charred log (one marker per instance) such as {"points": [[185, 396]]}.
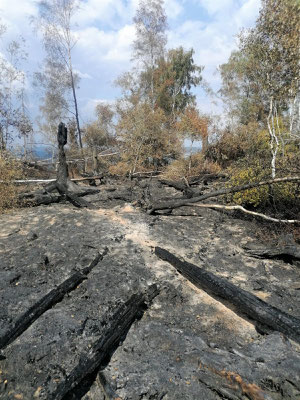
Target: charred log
{"points": [[46, 302], [187, 191], [246, 302], [287, 251], [115, 331]]}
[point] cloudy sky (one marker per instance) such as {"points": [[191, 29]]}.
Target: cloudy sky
{"points": [[106, 32]]}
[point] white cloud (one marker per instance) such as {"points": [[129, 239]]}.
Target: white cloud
{"points": [[88, 109], [82, 75], [15, 14], [105, 11], [247, 14], [109, 46], [216, 6], [173, 9], [106, 33]]}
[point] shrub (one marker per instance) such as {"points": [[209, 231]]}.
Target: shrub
{"points": [[253, 197], [192, 166], [9, 170], [281, 195]]}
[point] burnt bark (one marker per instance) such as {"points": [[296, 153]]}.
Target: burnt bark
{"points": [[247, 303], [66, 188], [45, 303], [187, 191], [288, 252], [115, 330]]}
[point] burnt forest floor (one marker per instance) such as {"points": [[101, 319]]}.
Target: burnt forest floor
{"points": [[185, 343]]}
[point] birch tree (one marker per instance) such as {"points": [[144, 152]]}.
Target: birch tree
{"points": [[151, 24], [14, 116], [261, 80], [55, 22]]}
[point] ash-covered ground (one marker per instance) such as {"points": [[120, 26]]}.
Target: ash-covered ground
{"points": [[186, 344]]}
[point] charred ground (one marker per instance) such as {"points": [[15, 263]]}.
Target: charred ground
{"points": [[112, 334]]}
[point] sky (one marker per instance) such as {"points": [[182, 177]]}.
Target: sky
{"points": [[106, 32]]}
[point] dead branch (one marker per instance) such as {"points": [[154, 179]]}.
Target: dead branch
{"points": [[171, 204], [240, 208], [28, 181]]}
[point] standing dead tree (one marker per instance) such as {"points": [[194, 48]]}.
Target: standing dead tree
{"points": [[63, 185]]}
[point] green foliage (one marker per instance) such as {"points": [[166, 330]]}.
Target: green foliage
{"points": [[279, 195], [253, 197], [174, 78]]}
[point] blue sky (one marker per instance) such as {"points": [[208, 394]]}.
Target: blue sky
{"points": [[105, 33]]}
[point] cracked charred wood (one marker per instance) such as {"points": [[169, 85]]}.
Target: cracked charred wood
{"points": [[115, 331], [206, 178], [38, 198], [187, 191], [72, 197], [63, 184], [46, 197], [247, 303], [46, 302], [171, 204], [288, 252], [66, 188]]}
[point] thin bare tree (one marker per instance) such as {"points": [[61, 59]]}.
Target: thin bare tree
{"points": [[55, 21]]}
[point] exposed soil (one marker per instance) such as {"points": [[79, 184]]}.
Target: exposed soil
{"points": [[186, 344]]}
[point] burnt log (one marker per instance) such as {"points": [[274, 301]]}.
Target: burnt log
{"points": [[46, 302], [286, 249], [171, 204], [247, 303], [187, 191], [115, 331]]}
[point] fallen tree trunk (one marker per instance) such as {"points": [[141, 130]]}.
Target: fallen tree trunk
{"points": [[188, 192], [171, 204], [39, 198], [289, 252], [46, 302], [28, 181], [246, 302], [114, 331], [240, 208]]}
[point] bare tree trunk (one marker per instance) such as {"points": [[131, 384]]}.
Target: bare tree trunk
{"points": [[95, 160], [274, 143], [76, 107]]}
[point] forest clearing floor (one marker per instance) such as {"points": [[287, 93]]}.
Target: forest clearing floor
{"points": [[186, 344]]}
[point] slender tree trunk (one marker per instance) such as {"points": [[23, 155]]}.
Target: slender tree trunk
{"points": [[76, 109], [95, 160], [25, 147], [274, 143], [204, 144]]}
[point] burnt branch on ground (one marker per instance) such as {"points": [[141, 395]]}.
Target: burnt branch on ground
{"points": [[115, 331], [247, 303], [47, 302], [171, 204]]}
